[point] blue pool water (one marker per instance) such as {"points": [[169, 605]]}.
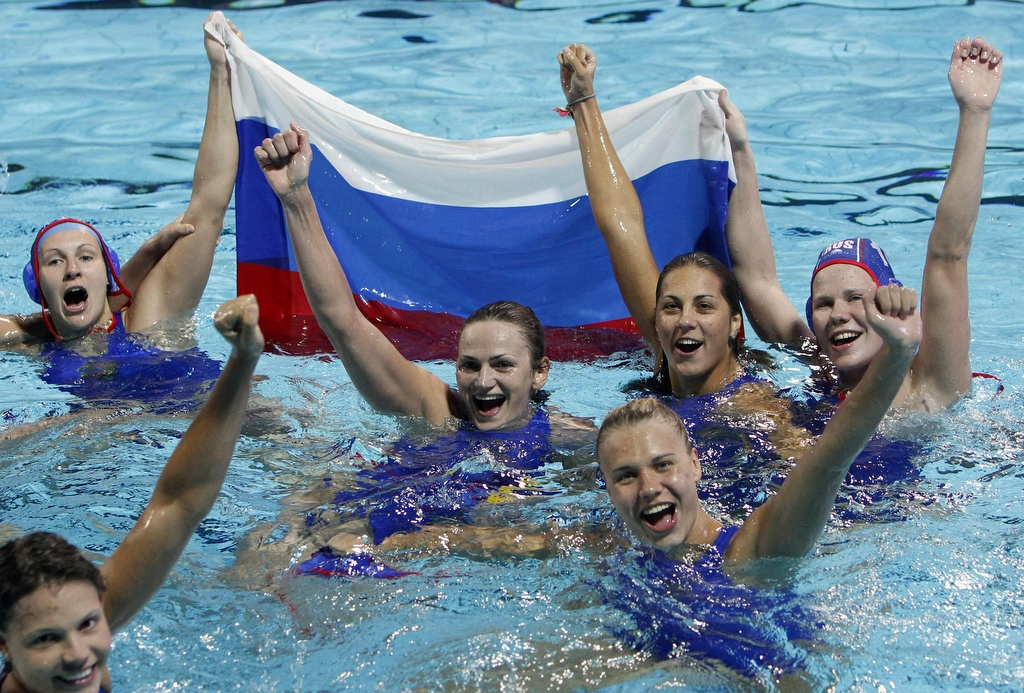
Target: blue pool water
{"points": [[852, 123]]}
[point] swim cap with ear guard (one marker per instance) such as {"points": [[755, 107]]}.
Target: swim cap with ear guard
{"points": [[859, 252], [30, 275]]}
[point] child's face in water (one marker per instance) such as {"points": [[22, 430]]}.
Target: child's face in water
{"points": [[651, 473], [495, 377], [58, 640]]}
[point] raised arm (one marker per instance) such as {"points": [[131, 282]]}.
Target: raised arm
{"points": [[942, 369], [382, 375], [789, 523], [177, 282], [613, 199], [772, 315], [191, 481], [138, 267]]}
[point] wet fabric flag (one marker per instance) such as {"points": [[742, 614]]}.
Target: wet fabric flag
{"points": [[429, 229]]}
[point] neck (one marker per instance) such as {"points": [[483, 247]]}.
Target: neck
{"points": [[712, 381], [104, 324], [704, 531]]}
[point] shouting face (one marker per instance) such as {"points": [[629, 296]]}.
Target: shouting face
{"points": [[495, 376], [73, 281], [695, 324], [651, 473]]}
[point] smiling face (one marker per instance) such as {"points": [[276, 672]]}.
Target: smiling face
{"points": [[651, 473], [837, 313], [694, 324], [494, 374], [58, 640], [73, 282]]}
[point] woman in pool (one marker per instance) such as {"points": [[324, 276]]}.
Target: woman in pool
{"points": [[845, 270], [941, 372], [74, 276], [501, 363], [690, 312], [651, 471], [500, 368], [57, 610]]}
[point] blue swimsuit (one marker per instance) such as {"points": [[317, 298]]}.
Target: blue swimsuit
{"points": [[742, 468], [882, 478], [443, 480], [131, 369], [696, 610]]}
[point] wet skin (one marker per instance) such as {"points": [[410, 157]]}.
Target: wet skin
{"points": [[58, 640], [694, 323], [651, 474], [495, 378], [838, 319], [73, 280]]}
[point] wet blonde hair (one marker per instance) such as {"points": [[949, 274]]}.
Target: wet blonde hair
{"points": [[638, 411]]}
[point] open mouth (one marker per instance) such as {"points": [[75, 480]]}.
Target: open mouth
{"points": [[843, 338], [687, 345], [488, 405], [659, 518], [75, 298], [79, 680]]}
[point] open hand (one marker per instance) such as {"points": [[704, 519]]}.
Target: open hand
{"points": [[161, 241], [214, 48], [975, 72], [285, 160], [891, 311], [239, 321], [578, 66]]}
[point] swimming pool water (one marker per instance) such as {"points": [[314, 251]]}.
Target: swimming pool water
{"points": [[852, 123]]}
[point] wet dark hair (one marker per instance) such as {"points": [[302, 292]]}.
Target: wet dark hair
{"points": [[636, 412], [727, 280], [37, 560], [522, 317], [698, 258]]}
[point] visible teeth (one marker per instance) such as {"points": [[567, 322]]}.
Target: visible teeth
{"points": [[654, 509], [84, 675], [840, 336], [687, 340]]}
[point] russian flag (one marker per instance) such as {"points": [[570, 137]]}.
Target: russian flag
{"points": [[428, 229]]}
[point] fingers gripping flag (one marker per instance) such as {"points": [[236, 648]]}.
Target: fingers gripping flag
{"points": [[428, 229]]}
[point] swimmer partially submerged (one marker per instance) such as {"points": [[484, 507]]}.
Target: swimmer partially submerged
{"points": [[651, 470], [75, 276], [848, 269], [57, 609]]}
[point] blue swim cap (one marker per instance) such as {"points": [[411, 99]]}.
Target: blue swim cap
{"points": [[31, 272], [859, 252]]}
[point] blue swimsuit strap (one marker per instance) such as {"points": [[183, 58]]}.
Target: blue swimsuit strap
{"points": [[725, 536]]}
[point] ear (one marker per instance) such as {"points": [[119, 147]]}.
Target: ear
{"points": [[734, 325], [540, 376], [696, 462]]}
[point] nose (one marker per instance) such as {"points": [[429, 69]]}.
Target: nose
{"points": [[686, 318], [75, 654], [649, 486], [71, 269], [484, 378], [840, 313]]}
